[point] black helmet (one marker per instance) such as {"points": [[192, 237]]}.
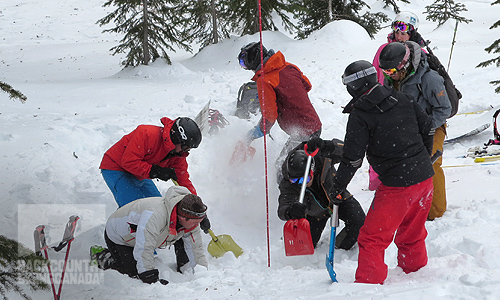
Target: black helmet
{"points": [[249, 56], [186, 132], [296, 164], [359, 76], [394, 55]]}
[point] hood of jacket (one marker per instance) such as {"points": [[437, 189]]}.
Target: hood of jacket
{"points": [[376, 100]]}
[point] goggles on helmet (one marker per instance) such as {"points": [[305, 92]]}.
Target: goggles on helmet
{"points": [[360, 74], [241, 58], [401, 26], [300, 180]]}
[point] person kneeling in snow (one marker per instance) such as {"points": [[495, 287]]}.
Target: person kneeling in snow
{"points": [[135, 230], [317, 205]]}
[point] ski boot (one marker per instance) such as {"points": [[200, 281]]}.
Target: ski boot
{"points": [[101, 257]]}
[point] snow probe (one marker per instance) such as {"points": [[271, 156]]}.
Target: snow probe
{"points": [[334, 222], [297, 232], [40, 244]]}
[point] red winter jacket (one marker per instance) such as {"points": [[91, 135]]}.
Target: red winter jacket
{"points": [[285, 95], [148, 145]]}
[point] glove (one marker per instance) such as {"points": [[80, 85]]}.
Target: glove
{"points": [[255, 133], [150, 276], [205, 224], [162, 173], [315, 143], [296, 211], [338, 195]]}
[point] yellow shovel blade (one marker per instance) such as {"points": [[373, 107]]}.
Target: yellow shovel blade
{"points": [[221, 244]]}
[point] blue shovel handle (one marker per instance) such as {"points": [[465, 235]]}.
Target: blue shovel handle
{"points": [[330, 255]]}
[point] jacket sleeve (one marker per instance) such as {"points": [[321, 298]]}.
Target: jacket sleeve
{"points": [[179, 163], [435, 93], [145, 240], [425, 127], [194, 242], [270, 114], [289, 194], [356, 143]]}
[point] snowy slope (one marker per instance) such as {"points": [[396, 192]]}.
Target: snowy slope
{"points": [[80, 102]]}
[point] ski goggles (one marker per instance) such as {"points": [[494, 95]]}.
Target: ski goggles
{"points": [[401, 26], [241, 58], [300, 180]]}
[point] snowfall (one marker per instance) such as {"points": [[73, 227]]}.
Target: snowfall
{"points": [[81, 101]]}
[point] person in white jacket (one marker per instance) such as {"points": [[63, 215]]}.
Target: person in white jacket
{"points": [[135, 230]]}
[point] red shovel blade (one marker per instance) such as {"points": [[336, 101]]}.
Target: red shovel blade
{"points": [[297, 237], [241, 153]]}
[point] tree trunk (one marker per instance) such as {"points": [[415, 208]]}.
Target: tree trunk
{"points": [[257, 27], [330, 10], [145, 45], [215, 35]]}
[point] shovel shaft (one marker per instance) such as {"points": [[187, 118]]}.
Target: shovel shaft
{"points": [[334, 220]]}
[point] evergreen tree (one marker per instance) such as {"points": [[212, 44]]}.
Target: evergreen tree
{"points": [[443, 10], [19, 265], [206, 25], [13, 94], [495, 48], [394, 5], [150, 27], [243, 15], [315, 14]]}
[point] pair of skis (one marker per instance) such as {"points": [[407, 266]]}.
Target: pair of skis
{"points": [[41, 245]]}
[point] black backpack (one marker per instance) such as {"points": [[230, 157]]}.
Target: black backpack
{"points": [[248, 100], [453, 93]]}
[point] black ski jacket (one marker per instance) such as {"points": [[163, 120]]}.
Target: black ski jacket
{"points": [[394, 132], [316, 196]]}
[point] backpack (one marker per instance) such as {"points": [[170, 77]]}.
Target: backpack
{"points": [[453, 93], [248, 100]]}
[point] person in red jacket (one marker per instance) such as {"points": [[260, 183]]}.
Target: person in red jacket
{"points": [[282, 91], [150, 152]]}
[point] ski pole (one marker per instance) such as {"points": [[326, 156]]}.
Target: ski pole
{"points": [[452, 44], [63, 271]]}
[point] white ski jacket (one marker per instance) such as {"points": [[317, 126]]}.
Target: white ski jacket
{"points": [[150, 223]]}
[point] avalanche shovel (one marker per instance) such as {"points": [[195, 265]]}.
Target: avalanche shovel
{"points": [[241, 153], [334, 221], [297, 232], [221, 244]]}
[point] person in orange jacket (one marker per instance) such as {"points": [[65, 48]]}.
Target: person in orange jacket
{"points": [[150, 152], [282, 92]]}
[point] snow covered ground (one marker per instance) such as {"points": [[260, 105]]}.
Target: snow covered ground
{"points": [[80, 102]]}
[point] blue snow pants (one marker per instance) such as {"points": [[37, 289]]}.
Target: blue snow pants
{"points": [[127, 188]]}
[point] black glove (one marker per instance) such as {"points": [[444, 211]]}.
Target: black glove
{"points": [[338, 195], [150, 276], [296, 211], [205, 224], [162, 173], [315, 143]]}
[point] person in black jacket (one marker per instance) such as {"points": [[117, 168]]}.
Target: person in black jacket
{"points": [[396, 135], [316, 206]]}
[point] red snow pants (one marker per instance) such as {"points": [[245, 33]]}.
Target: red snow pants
{"points": [[399, 211]]}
